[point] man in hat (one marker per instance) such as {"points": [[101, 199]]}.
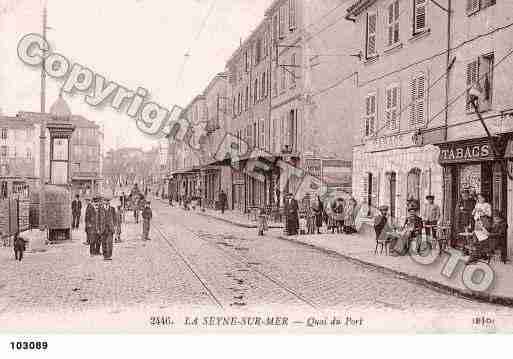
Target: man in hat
{"points": [[76, 209], [291, 209], [107, 218], [430, 216], [147, 214], [464, 218], [89, 218], [93, 226]]}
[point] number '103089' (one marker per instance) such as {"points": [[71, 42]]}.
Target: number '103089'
{"points": [[29, 345]]}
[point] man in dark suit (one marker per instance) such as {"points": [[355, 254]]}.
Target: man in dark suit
{"points": [[291, 209], [89, 217], [93, 227], [76, 209], [107, 218], [222, 200]]}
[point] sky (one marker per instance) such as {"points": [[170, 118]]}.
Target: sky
{"points": [[135, 43]]}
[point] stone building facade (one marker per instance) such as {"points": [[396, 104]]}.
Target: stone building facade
{"points": [[419, 133]]}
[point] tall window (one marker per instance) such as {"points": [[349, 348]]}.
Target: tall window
{"points": [[266, 44], [281, 33], [292, 141], [480, 75], [419, 16], [392, 107], [393, 23], [371, 35], [3, 151], [246, 98], [418, 101], [234, 106], [262, 133], [258, 51], [29, 154], [264, 85], [292, 15], [3, 134], [413, 184], [275, 28], [370, 115], [293, 71], [255, 135], [275, 81], [255, 92], [246, 61], [283, 79]]}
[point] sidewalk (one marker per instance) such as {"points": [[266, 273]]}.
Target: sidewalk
{"points": [[236, 218], [360, 248]]}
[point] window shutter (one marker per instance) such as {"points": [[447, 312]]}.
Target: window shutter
{"points": [[282, 22], [292, 14], [365, 189], [413, 105], [421, 100], [373, 114], [395, 106], [390, 24], [375, 187], [420, 16], [472, 6], [472, 77], [371, 34], [388, 106]]}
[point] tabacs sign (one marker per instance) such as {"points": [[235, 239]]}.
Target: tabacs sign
{"points": [[466, 152]]}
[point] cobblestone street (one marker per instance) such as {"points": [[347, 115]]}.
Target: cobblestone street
{"points": [[195, 264]]}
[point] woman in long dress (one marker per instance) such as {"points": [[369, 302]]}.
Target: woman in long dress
{"points": [[349, 216], [318, 210]]}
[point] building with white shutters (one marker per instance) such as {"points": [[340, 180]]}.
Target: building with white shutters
{"points": [[418, 133]]}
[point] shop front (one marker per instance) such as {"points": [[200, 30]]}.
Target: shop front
{"points": [[476, 166]]}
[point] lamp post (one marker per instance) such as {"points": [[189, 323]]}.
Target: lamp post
{"points": [[475, 95]]}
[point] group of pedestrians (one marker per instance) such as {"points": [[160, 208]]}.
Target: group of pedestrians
{"points": [[338, 215], [102, 222]]}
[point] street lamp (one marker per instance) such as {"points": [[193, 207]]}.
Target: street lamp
{"points": [[475, 95]]}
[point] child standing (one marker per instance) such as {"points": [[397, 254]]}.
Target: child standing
{"points": [[118, 223], [262, 222]]}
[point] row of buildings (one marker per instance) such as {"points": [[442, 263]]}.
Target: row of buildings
{"points": [[20, 152], [377, 89], [272, 96]]}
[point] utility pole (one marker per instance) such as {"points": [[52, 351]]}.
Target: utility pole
{"points": [[42, 135]]}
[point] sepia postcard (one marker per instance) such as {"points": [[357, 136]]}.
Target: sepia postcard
{"points": [[255, 167]]}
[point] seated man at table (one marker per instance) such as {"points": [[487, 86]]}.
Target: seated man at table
{"points": [[498, 234], [412, 229], [482, 242]]}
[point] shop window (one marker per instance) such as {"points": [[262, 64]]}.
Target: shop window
{"points": [[370, 45], [393, 23], [413, 184], [418, 101], [419, 16], [392, 107], [480, 75]]}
